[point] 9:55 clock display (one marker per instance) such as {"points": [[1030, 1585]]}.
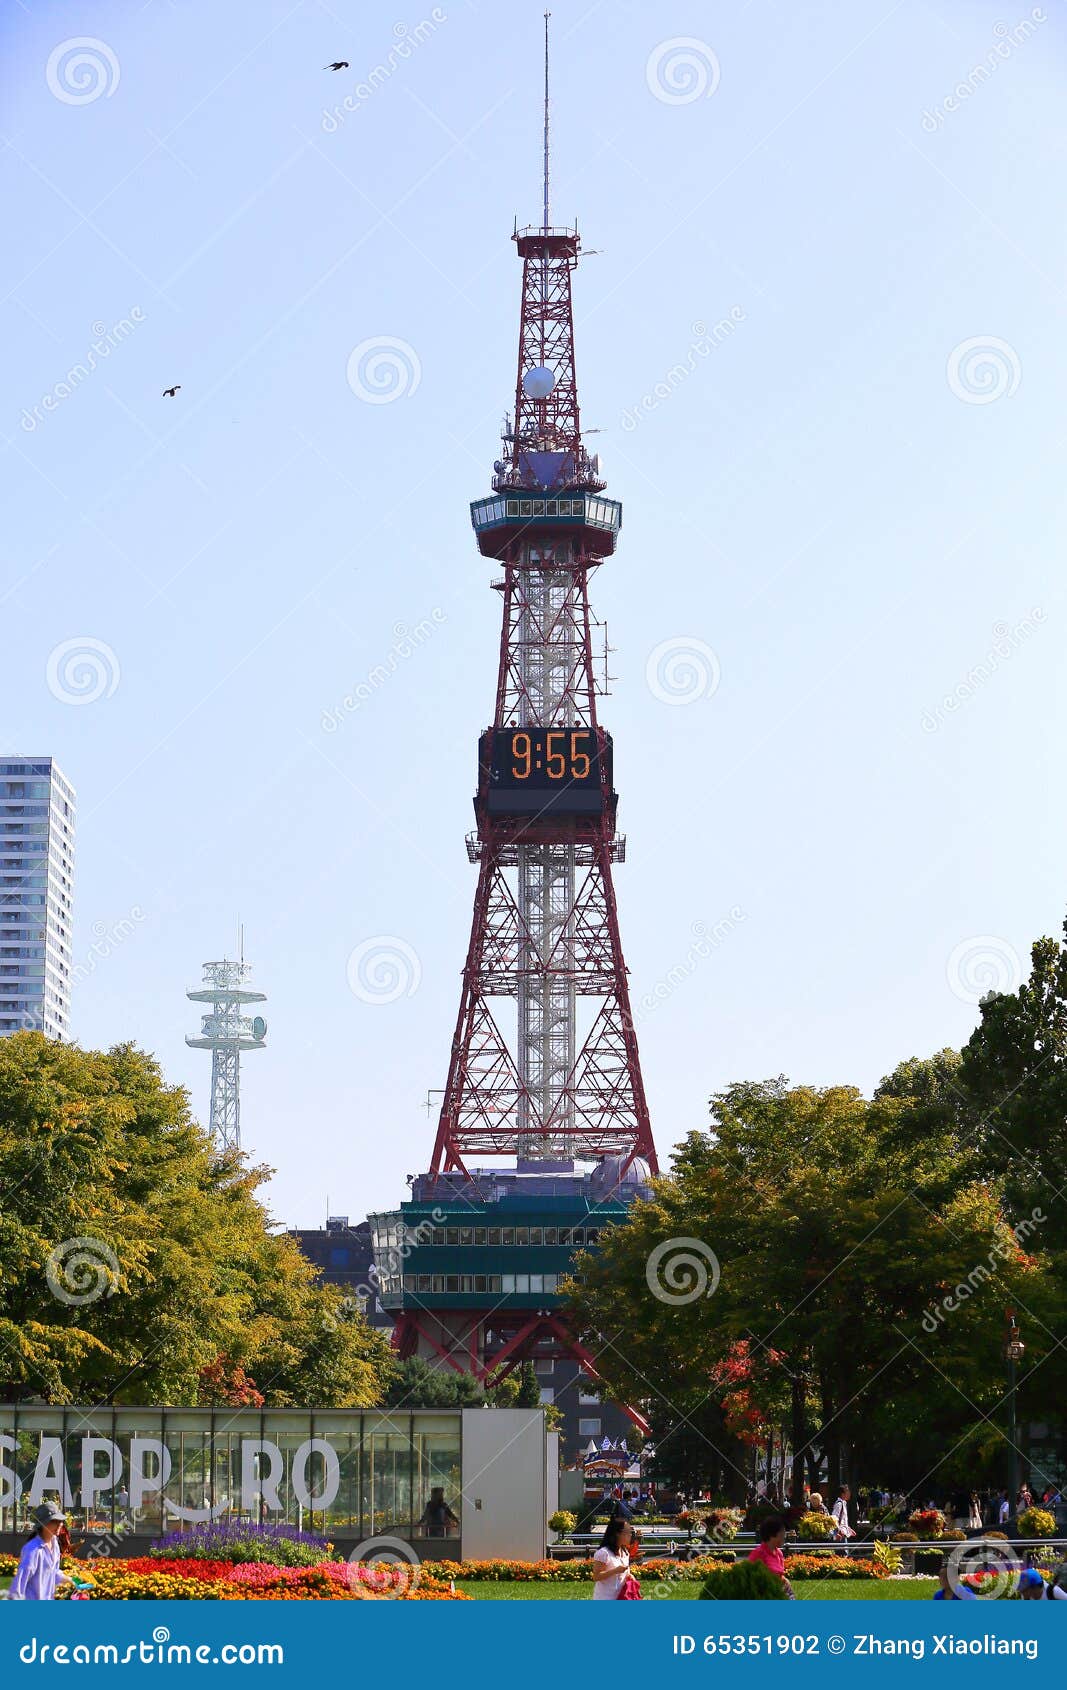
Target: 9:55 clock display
{"points": [[537, 770]]}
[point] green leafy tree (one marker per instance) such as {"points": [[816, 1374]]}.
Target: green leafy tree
{"points": [[839, 1226], [418, 1385], [133, 1256]]}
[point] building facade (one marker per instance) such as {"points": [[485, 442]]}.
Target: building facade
{"points": [[124, 1476], [344, 1256], [37, 816]]}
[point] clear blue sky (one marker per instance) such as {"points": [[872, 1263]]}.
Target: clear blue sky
{"points": [[818, 499]]}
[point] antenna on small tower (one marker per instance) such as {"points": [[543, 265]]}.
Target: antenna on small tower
{"points": [[226, 1032], [547, 16]]}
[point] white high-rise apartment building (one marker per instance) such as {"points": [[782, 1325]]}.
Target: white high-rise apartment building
{"points": [[36, 887]]}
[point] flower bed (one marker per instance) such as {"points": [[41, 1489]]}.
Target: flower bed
{"points": [[831, 1567], [566, 1572], [153, 1578], [283, 1546]]}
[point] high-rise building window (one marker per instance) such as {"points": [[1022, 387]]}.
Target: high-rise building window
{"points": [[36, 871]]}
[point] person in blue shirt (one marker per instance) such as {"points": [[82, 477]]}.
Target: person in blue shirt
{"points": [[945, 1591], [38, 1572]]}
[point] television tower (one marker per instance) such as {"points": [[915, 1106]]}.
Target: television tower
{"points": [[564, 1086], [226, 1031]]}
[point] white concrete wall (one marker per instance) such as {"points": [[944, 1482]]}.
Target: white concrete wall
{"points": [[505, 1491]]}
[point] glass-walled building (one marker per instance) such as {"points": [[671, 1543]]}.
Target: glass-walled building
{"points": [[37, 808], [350, 1475]]}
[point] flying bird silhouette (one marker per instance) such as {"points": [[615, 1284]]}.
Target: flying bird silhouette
{"points": [[338, 64], [169, 392]]}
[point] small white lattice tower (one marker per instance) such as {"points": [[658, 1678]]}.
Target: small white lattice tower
{"points": [[226, 1031]]}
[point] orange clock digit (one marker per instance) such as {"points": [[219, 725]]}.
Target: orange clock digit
{"points": [[521, 749], [580, 763], [555, 761]]}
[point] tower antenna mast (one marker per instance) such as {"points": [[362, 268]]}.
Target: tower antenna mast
{"points": [[547, 16], [226, 1031]]}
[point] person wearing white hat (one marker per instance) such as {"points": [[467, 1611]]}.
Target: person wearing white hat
{"points": [[38, 1571]]}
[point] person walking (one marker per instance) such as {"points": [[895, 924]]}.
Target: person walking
{"points": [[842, 1530], [611, 1563], [974, 1513], [38, 1572]]}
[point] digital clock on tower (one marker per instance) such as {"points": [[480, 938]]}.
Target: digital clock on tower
{"points": [[549, 756], [540, 770]]}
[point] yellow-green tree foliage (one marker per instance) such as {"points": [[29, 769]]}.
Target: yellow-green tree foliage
{"points": [[132, 1255]]}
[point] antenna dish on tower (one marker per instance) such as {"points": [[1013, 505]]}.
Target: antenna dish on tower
{"points": [[226, 1031], [538, 383]]}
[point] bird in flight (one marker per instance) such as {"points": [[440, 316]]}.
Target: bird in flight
{"points": [[338, 64], [169, 392]]}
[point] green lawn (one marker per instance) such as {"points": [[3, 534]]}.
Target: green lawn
{"points": [[808, 1590]]}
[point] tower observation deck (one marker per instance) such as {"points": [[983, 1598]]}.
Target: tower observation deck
{"points": [[544, 1066]]}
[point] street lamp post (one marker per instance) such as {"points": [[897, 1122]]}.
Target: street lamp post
{"points": [[1014, 1350]]}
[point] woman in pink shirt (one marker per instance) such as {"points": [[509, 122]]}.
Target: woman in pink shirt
{"points": [[769, 1549]]}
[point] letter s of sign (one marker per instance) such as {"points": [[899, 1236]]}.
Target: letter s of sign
{"points": [[10, 1483]]}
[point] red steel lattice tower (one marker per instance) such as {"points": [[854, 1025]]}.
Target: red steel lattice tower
{"points": [[566, 1084]]}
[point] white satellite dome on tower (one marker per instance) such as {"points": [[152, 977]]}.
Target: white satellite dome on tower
{"points": [[538, 383]]}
